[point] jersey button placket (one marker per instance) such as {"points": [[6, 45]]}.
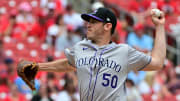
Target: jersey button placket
{"points": [[91, 76], [96, 71]]}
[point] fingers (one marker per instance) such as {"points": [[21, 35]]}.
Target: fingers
{"points": [[157, 14], [158, 17]]}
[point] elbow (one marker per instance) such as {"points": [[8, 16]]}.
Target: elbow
{"points": [[155, 65], [160, 66], [158, 62]]}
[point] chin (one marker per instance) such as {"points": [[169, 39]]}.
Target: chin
{"points": [[90, 38]]}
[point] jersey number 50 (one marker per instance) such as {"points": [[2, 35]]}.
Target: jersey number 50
{"points": [[109, 80]]}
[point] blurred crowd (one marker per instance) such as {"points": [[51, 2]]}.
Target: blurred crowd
{"points": [[40, 30]]}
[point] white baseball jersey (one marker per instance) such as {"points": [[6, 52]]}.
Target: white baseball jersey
{"points": [[102, 71]]}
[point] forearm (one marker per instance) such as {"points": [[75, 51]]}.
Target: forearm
{"points": [[159, 50], [61, 65]]}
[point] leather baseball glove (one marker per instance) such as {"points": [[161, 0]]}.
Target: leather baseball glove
{"points": [[27, 70]]}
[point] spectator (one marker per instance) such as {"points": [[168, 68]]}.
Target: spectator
{"points": [[14, 29], [72, 18], [51, 86], [56, 30], [4, 87], [72, 75], [22, 86], [159, 87], [42, 94], [168, 6], [139, 39], [14, 95], [2, 55], [81, 31], [137, 76], [96, 5], [172, 82], [120, 35], [66, 40], [39, 28], [143, 43], [50, 18], [69, 93], [25, 14], [3, 23], [10, 70], [139, 5], [132, 92]]}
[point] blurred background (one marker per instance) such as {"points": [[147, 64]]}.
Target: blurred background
{"points": [[40, 30]]}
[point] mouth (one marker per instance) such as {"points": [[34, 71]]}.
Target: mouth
{"points": [[88, 30]]}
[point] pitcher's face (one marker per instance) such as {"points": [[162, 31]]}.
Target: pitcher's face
{"points": [[94, 29]]}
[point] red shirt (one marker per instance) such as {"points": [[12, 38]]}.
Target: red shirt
{"points": [[38, 31], [140, 6], [122, 34], [3, 24], [59, 7], [19, 30], [50, 22], [172, 6], [20, 97], [4, 88]]}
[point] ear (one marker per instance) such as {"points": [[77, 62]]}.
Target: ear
{"points": [[107, 26]]}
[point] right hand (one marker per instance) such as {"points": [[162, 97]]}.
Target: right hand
{"points": [[158, 21]]}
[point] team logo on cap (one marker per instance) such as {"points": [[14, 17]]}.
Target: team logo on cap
{"points": [[94, 12], [108, 19]]}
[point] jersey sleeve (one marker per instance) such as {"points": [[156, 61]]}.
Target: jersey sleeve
{"points": [[137, 60], [70, 55]]}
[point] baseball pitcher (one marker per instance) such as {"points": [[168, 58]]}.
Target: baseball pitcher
{"points": [[102, 66]]}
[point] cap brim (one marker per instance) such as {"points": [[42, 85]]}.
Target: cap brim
{"points": [[86, 17]]}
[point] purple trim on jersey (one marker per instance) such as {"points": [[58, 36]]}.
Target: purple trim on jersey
{"points": [[91, 74], [146, 64], [102, 52], [125, 87], [92, 16], [95, 84], [89, 82]]}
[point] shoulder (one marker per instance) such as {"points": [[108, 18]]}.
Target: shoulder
{"points": [[122, 48], [82, 42], [126, 47], [147, 37], [123, 45], [132, 34]]}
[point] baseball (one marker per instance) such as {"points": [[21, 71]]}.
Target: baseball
{"points": [[157, 12]]}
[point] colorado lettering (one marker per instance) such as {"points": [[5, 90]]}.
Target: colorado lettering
{"points": [[98, 62]]}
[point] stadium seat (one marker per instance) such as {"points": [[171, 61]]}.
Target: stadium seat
{"points": [[58, 55], [9, 43], [32, 43]]}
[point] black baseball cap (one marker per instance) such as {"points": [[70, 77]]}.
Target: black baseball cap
{"points": [[103, 15]]}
